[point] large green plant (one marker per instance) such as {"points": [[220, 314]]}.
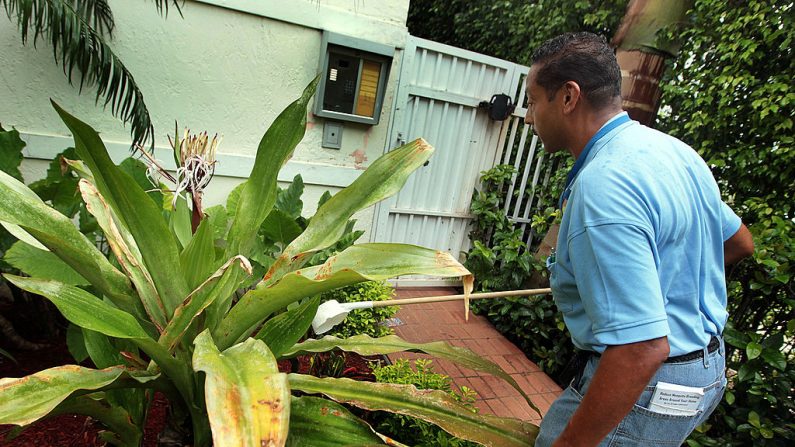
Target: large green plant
{"points": [[162, 315]]}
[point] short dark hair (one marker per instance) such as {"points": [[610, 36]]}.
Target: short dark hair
{"points": [[584, 58]]}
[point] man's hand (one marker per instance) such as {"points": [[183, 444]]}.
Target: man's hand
{"points": [[622, 375]]}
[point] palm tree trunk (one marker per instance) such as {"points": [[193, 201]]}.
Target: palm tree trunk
{"points": [[641, 50]]}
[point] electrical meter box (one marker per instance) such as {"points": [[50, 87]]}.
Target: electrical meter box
{"points": [[354, 78]]}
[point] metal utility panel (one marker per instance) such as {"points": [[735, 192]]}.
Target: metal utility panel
{"points": [[438, 96], [332, 135], [353, 78]]}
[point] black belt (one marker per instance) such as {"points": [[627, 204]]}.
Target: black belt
{"points": [[714, 344]]}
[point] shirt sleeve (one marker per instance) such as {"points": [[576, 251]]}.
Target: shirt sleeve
{"points": [[730, 221], [616, 275]]}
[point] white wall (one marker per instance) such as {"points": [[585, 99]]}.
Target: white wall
{"points": [[224, 68]]}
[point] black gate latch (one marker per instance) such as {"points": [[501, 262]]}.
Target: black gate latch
{"points": [[499, 108]]}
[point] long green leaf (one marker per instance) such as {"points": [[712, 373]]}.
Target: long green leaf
{"points": [[233, 200], [220, 284], [179, 222], [83, 308], [135, 211], [434, 406], [259, 193], [366, 262], [382, 179], [42, 264], [27, 399], [198, 257], [365, 345], [385, 177], [218, 219], [248, 400], [319, 422], [127, 253], [283, 330], [20, 206], [136, 169]]}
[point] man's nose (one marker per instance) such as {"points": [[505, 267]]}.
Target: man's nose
{"points": [[528, 117]]}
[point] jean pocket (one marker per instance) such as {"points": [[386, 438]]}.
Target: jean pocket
{"points": [[648, 428]]}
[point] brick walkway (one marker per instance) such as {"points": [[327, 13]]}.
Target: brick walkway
{"points": [[445, 321]]}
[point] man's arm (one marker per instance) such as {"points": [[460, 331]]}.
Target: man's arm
{"points": [[622, 375], [739, 246]]}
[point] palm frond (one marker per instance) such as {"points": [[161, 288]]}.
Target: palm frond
{"points": [[81, 49], [96, 13], [162, 6]]}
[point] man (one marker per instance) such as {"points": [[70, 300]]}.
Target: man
{"points": [[639, 268]]}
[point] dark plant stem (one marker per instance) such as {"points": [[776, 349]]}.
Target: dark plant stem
{"points": [[198, 214]]}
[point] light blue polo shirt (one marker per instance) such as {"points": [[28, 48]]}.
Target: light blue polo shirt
{"points": [[640, 248]]}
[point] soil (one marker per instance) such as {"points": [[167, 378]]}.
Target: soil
{"points": [[82, 431]]}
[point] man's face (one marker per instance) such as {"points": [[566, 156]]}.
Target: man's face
{"points": [[544, 114]]}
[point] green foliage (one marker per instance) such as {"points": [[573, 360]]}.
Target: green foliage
{"points": [[363, 321], [59, 186], [41, 264], [327, 364], [10, 158], [348, 238], [59, 189], [730, 96], [413, 431], [281, 227], [172, 309], [499, 258], [11, 152], [510, 29]]}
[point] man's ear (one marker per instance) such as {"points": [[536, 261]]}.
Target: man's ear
{"points": [[571, 96]]}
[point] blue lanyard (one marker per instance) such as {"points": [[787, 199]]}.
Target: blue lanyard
{"points": [[584, 154]]}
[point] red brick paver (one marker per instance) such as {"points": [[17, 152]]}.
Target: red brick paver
{"points": [[427, 322]]}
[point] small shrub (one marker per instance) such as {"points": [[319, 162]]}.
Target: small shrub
{"points": [[363, 321], [414, 431]]}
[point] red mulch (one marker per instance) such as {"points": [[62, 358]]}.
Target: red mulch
{"points": [[81, 431]]}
